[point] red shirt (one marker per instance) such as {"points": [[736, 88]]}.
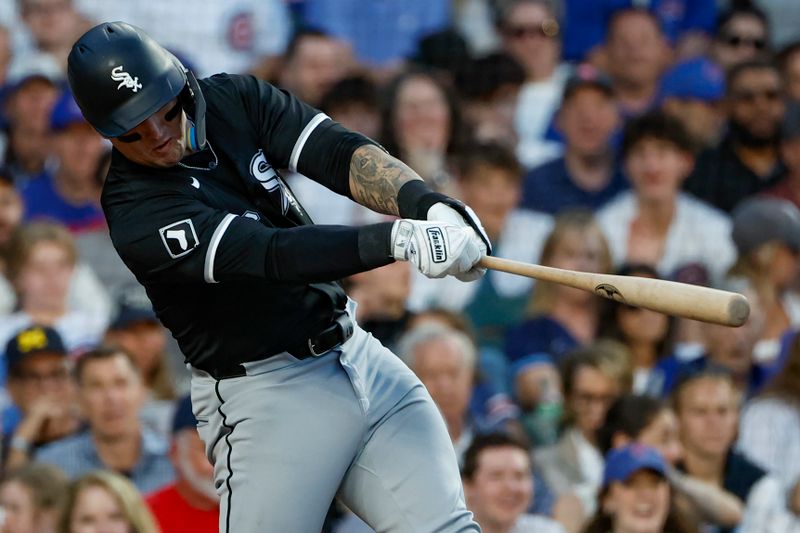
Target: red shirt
{"points": [[174, 514]]}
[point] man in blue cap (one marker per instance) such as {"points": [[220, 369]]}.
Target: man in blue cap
{"points": [[71, 192]]}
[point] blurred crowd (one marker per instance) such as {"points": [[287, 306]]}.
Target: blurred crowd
{"points": [[655, 138]]}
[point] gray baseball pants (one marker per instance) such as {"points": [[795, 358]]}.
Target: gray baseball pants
{"points": [[354, 423]]}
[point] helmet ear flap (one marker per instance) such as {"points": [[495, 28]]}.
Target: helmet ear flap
{"points": [[193, 102]]}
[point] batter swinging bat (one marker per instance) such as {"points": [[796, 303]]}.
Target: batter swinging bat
{"points": [[670, 297]]}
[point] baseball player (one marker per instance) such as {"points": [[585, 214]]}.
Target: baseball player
{"points": [[295, 403]]}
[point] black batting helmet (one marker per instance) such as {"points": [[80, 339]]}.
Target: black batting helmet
{"points": [[120, 76]]}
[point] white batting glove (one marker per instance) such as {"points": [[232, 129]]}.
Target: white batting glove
{"points": [[437, 249], [445, 213]]}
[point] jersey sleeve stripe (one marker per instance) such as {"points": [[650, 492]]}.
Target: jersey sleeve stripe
{"points": [[211, 253], [301, 140]]}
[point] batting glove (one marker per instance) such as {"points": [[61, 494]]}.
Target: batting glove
{"points": [[437, 249], [463, 216]]}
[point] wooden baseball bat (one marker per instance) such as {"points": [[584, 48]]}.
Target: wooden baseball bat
{"points": [[670, 297]]}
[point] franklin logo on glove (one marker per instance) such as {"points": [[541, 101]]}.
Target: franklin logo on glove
{"points": [[438, 246]]}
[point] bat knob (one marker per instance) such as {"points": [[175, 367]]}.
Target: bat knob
{"points": [[738, 310]]}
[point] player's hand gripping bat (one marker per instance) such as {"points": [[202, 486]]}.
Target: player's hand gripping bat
{"points": [[670, 297]]}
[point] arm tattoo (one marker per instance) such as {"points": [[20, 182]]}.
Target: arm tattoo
{"points": [[376, 178]]}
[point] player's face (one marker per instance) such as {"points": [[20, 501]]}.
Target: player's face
{"points": [[158, 141], [97, 511], [501, 488], [656, 168], [663, 435], [708, 417], [640, 504]]}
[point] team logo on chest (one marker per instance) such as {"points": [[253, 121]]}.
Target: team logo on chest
{"points": [[269, 179]]}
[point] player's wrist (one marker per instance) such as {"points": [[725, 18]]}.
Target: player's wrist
{"points": [[375, 244], [415, 198]]}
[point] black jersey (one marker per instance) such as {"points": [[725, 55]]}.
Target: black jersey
{"points": [[223, 249]]}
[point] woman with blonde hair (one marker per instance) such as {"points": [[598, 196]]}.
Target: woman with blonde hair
{"points": [[105, 501]]}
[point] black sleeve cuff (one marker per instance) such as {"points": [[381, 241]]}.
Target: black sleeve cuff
{"points": [[374, 245], [415, 198]]}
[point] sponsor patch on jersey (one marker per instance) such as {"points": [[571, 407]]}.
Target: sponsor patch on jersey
{"points": [[261, 170], [252, 215], [179, 238], [438, 246]]}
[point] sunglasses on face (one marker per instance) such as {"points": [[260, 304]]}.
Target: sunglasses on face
{"points": [[548, 28], [738, 41], [772, 95], [169, 117]]}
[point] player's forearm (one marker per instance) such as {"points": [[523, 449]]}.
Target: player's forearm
{"points": [[376, 178], [713, 503]]}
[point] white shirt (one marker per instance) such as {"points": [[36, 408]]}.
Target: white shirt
{"points": [[536, 105], [699, 233], [214, 35], [769, 435], [765, 510], [80, 331], [521, 239], [532, 523]]}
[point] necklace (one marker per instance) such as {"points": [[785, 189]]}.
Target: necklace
{"points": [[211, 165]]}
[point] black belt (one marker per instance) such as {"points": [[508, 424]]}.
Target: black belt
{"points": [[329, 338]]}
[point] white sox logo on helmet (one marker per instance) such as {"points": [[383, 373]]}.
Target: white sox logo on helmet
{"points": [[261, 170], [125, 79]]}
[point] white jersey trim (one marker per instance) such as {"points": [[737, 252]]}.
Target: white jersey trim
{"points": [[301, 140], [211, 253]]}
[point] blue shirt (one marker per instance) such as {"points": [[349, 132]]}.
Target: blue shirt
{"points": [[77, 455], [380, 31], [586, 21], [527, 342], [550, 189], [41, 200]]}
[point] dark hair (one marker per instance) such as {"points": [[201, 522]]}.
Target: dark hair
{"points": [[483, 442], [617, 15], [299, 35], [6, 177], [481, 78], [608, 326], [491, 154], [656, 125], [714, 373], [458, 135], [786, 53], [503, 9], [630, 415], [101, 353], [741, 8], [752, 64], [351, 90]]}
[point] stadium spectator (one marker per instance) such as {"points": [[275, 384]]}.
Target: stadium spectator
{"points": [[747, 159], [69, 194], [445, 361], [382, 34], [43, 407], [422, 125], [52, 289], [215, 36], [587, 175], [706, 404], [648, 335], [636, 496], [313, 63], [5, 53], [136, 329], [191, 503], [651, 422], [692, 92], [767, 235], [353, 103], [29, 95], [593, 378], [105, 501], [788, 186], [531, 35], [742, 36], [769, 434], [560, 318], [10, 218], [655, 223], [789, 64], [110, 392], [637, 54], [31, 498], [498, 485], [53, 25], [489, 87], [489, 180]]}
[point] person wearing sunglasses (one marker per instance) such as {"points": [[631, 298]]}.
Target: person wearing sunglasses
{"points": [[742, 35]]}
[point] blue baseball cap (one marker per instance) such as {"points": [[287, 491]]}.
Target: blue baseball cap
{"points": [[622, 463], [31, 341], [184, 417], [695, 79], [66, 112], [132, 306]]}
